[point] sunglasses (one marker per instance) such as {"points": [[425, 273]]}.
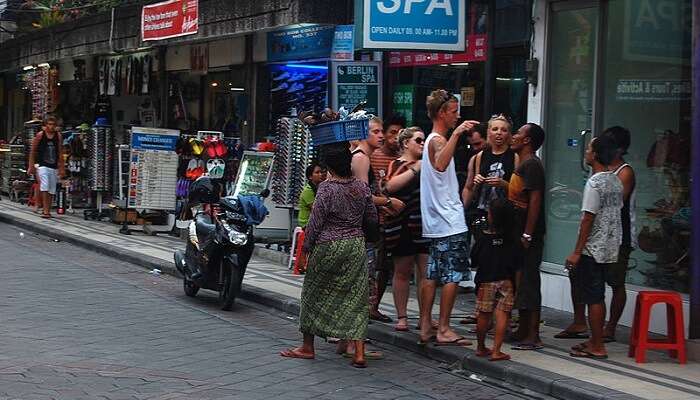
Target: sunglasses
{"points": [[502, 117], [419, 140]]}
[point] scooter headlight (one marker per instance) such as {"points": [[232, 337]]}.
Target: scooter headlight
{"points": [[237, 238]]}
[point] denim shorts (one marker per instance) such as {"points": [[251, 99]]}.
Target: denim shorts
{"points": [[448, 260]]}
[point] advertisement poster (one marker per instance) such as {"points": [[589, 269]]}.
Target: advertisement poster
{"points": [[343, 43], [169, 19], [153, 171], [476, 45], [356, 82], [403, 102], [306, 42], [434, 24]]}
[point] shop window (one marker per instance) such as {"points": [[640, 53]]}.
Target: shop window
{"points": [[647, 89], [643, 84], [510, 95], [511, 22]]}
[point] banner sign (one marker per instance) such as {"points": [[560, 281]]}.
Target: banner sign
{"points": [[355, 82], [343, 43], [153, 172], [306, 42], [476, 46], [169, 19], [411, 24]]}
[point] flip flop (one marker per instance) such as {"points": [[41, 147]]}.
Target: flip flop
{"points": [[579, 347], [571, 335], [586, 354], [401, 328], [293, 353], [504, 358], [357, 364], [609, 339], [369, 355], [460, 341], [423, 342], [526, 346], [468, 320]]}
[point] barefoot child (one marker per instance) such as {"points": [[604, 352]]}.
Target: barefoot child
{"points": [[494, 256]]}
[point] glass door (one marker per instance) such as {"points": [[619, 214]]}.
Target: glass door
{"points": [[573, 53]]}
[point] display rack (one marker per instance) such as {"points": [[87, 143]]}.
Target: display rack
{"points": [[293, 155], [253, 174]]}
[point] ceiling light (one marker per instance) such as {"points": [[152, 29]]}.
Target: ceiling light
{"points": [[214, 84], [28, 68], [44, 65], [237, 89]]}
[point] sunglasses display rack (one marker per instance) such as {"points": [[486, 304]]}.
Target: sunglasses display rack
{"points": [[76, 165], [294, 152], [37, 81], [100, 144]]}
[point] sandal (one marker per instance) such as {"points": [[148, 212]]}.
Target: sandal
{"points": [[505, 357], [587, 354], [359, 364], [468, 320], [296, 353], [571, 335], [401, 327], [459, 341], [380, 317], [369, 355], [526, 346]]}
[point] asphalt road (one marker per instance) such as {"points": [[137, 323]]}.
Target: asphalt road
{"points": [[78, 325]]}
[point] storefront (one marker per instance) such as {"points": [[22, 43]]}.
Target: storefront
{"points": [[627, 63]]}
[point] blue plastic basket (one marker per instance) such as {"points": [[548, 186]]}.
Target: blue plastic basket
{"points": [[340, 131]]}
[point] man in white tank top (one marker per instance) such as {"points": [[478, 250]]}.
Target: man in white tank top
{"points": [[443, 217]]}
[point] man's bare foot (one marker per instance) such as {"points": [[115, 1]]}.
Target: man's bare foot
{"points": [[483, 352], [499, 356]]}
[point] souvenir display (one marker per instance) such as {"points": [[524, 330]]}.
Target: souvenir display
{"points": [[294, 152]]}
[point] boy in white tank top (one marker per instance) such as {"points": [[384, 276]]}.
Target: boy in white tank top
{"points": [[443, 217]]}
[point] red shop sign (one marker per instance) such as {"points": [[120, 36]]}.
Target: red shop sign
{"points": [[476, 51], [169, 19]]}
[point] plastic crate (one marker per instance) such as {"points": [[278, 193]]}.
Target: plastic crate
{"points": [[340, 131]]}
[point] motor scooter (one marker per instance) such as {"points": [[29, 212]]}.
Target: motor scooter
{"points": [[220, 242]]}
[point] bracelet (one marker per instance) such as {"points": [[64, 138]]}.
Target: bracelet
{"points": [[527, 237]]}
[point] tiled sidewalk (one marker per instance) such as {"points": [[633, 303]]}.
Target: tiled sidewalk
{"points": [[660, 378]]}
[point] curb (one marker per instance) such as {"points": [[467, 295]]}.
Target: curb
{"points": [[513, 373]]}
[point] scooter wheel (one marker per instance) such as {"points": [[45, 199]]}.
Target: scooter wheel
{"points": [[190, 287]]}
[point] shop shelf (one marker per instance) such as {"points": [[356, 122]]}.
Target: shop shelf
{"points": [[340, 131]]}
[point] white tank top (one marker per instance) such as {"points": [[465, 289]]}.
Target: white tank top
{"points": [[441, 208]]}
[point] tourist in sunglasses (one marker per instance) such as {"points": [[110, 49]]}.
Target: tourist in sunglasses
{"points": [[404, 241]]}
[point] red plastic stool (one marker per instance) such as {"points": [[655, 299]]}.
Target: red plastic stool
{"points": [[639, 338], [295, 254]]}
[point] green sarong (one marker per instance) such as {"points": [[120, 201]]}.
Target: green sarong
{"points": [[335, 295]]}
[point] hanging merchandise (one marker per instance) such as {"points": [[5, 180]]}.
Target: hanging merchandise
{"points": [[295, 88], [154, 165], [100, 144], [294, 152], [36, 80]]}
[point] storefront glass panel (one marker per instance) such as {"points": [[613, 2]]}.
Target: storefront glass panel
{"points": [[639, 78], [570, 105], [647, 89]]}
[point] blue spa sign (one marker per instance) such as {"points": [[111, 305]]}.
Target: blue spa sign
{"points": [[412, 24]]}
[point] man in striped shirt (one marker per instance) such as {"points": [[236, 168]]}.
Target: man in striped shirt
{"points": [[380, 160]]}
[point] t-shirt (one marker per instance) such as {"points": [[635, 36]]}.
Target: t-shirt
{"points": [[494, 166], [306, 201], [494, 257], [528, 177], [603, 197]]}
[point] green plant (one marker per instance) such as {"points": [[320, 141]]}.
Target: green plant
{"points": [[53, 12]]}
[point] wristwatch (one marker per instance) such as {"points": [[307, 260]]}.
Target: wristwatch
{"points": [[388, 202], [527, 237]]}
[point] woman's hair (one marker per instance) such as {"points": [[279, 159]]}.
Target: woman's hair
{"points": [[338, 159], [502, 216], [406, 134], [310, 169], [501, 117]]}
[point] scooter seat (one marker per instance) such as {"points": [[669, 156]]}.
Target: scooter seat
{"points": [[204, 227]]}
